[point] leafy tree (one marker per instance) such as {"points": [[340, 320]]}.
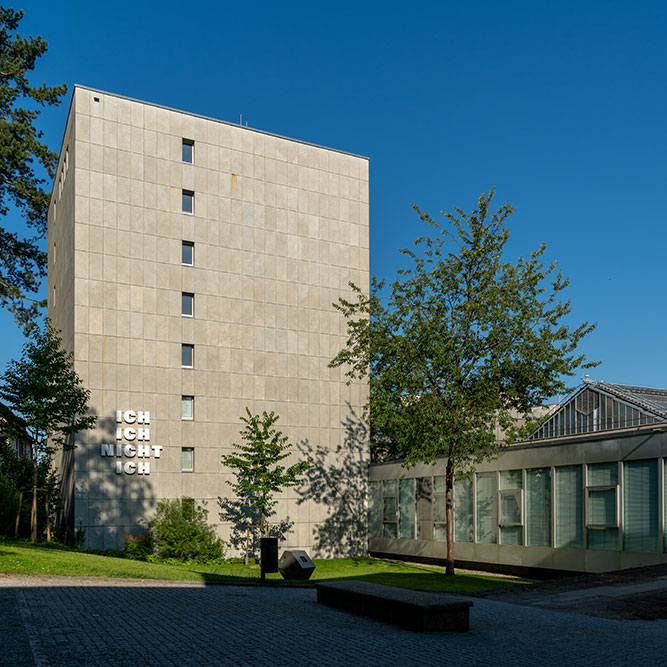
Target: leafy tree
{"points": [[258, 473], [180, 530], [43, 389], [26, 166], [463, 340], [16, 474]]}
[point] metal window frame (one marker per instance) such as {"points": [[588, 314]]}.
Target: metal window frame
{"points": [[189, 244], [192, 468], [191, 143], [184, 398], [192, 355]]}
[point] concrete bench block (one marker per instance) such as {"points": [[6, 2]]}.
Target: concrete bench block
{"points": [[422, 611]]}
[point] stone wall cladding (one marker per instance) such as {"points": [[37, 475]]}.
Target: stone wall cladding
{"points": [[279, 229]]}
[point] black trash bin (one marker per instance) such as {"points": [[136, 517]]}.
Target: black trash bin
{"points": [[268, 553]]}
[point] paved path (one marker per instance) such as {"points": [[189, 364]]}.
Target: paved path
{"points": [[61, 621]]}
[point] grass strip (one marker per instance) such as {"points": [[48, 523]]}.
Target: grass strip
{"points": [[17, 557]]}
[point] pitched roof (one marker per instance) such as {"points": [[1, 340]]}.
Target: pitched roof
{"points": [[603, 406], [646, 398]]}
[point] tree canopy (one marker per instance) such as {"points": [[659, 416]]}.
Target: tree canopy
{"points": [[26, 167], [44, 391], [461, 341]]}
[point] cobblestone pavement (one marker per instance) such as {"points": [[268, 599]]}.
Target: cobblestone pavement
{"points": [[62, 621]]}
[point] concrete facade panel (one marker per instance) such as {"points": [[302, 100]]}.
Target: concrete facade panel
{"points": [[279, 228]]}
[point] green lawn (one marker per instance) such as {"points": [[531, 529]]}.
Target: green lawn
{"points": [[17, 557]]}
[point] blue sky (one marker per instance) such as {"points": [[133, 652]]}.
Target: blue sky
{"points": [[560, 106]]}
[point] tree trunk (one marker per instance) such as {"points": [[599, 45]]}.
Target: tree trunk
{"points": [[33, 511], [449, 506], [264, 529], [46, 509], [18, 515]]}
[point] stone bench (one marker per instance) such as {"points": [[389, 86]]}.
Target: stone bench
{"points": [[422, 611]]}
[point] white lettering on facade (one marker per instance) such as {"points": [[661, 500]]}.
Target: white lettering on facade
{"points": [[131, 433]]}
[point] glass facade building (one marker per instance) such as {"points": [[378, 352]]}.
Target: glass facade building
{"points": [[587, 491]]}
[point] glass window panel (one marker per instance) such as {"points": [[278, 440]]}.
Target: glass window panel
{"points": [[610, 412], [439, 508], [487, 522], [440, 532], [463, 511], [389, 509], [511, 535], [640, 506], [538, 507], [510, 507], [187, 459], [188, 201], [603, 539], [424, 508], [188, 150], [601, 507], [664, 509], [389, 487], [406, 503], [568, 506], [603, 474], [439, 484], [390, 529], [187, 355], [187, 253], [187, 304], [375, 509], [187, 407], [511, 479]]}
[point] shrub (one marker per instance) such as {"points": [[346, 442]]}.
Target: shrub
{"points": [[180, 530], [138, 547]]}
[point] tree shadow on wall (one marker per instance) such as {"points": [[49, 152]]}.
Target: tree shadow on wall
{"points": [[338, 480], [242, 513]]}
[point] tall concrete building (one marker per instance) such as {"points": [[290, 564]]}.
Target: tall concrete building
{"points": [[192, 268]]}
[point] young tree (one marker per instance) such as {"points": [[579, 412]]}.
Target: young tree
{"points": [[26, 166], [462, 341], [258, 473], [43, 389]]}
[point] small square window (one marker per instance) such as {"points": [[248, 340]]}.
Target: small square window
{"points": [[188, 201], [187, 408], [187, 304], [188, 153], [187, 355], [187, 459], [188, 253]]}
